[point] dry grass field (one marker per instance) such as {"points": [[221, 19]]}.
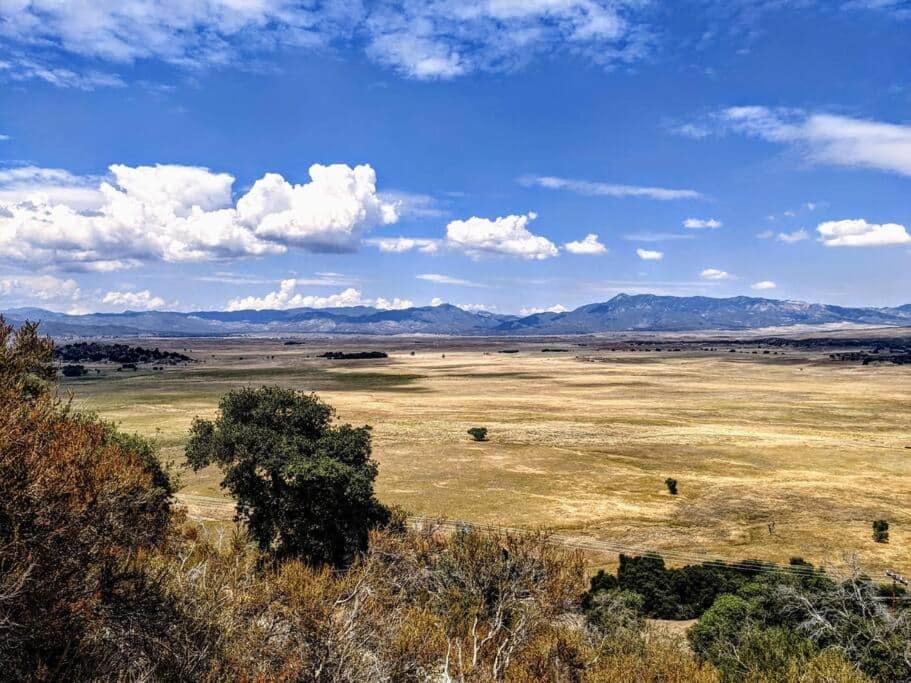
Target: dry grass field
{"points": [[582, 441]]}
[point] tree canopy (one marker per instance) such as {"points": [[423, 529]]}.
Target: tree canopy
{"points": [[303, 484]]}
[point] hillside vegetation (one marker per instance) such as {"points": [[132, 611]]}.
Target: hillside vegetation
{"points": [[102, 578]]}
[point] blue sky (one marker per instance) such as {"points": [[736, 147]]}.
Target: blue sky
{"points": [[513, 155]]}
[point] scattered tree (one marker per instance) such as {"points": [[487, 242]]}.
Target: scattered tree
{"points": [[478, 433], [881, 531], [671, 485], [303, 485], [73, 370]]}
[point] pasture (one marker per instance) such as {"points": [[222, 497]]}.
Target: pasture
{"points": [[582, 441]]}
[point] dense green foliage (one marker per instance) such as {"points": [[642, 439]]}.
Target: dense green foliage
{"points": [[96, 352], [760, 621], [303, 485]]}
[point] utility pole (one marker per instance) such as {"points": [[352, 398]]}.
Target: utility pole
{"points": [[896, 579]]}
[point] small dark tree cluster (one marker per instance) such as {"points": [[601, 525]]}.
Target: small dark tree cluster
{"points": [[73, 370], [95, 352], [671, 486], [354, 355]]}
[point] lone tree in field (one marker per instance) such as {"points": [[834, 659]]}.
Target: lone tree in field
{"points": [[478, 433], [303, 485], [881, 531], [671, 485]]}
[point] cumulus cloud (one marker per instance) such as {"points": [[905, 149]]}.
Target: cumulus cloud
{"points": [[597, 189], [589, 246], [700, 223], [43, 289], [827, 138], [505, 236], [287, 297], [532, 310], [184, 213], [475, 308], [400, 245], [860, 233], [715, 274], [763, 285], [649, 254], [793, 237], [134, 301]]}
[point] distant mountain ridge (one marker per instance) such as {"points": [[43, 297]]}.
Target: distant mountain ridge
{"points": [[623, 313]]}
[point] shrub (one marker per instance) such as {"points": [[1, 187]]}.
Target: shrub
{"points": [[73, 370], [303, 485], [881, 531], [80, 506], [478, 433], [671, 486]]}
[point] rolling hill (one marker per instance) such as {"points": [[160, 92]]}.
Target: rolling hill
{"points": [[624, 312]]}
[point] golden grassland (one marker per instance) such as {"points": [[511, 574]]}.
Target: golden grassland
{"points": [[581, 442]]}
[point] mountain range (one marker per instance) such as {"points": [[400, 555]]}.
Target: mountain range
{"points": [[624, 312]]}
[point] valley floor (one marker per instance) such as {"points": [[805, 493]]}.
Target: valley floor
{"points": [[582, 440]]}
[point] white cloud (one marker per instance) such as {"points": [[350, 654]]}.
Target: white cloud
{"points": [[190, 33], [447, 280], [656, 236], [181, 213], [591, 188], [287, 297], [765, 234], [410, 204], [700, 223], [134, 301], [474, 308], [330, 213], [440, 40], [395, 304], [49, 185], [532, 310], [506, 236], [860, 233], [827, 138], [436, 301], [399, 245], [715, 274], [763, 285], [793, 237], [589, 246], [4, 138], [43, 289], [428, 39], [649, 254]]}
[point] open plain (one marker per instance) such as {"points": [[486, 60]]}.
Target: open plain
{"points": [[779, 452]]}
